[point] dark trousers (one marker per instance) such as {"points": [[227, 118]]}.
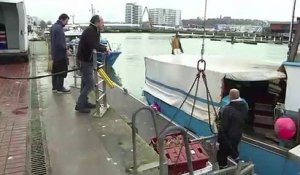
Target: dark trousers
{"points": [[58, 80], [57, 83], [227, 147], [87, 83]]}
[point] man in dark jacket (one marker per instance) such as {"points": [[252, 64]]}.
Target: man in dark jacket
{"points": [[59, 54], [90, 40], [232, 121]]}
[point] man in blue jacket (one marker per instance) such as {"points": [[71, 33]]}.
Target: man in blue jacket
{"points": [[59, 54]]}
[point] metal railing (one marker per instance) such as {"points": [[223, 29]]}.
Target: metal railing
{"points": [[161, 138], [134, 133], [76, 74], [241, 168]]}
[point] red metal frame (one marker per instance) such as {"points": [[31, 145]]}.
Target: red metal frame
{"points": [[178, 165]]}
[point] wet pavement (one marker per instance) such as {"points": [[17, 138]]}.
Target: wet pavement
{"points": [[80, 144], [14, 117]]}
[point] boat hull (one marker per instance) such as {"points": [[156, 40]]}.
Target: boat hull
{"points": [[266, 161]]}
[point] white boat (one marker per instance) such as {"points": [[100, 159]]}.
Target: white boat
{"points": [[169, 78], [73, 31]]}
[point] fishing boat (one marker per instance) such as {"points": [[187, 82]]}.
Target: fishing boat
{"points": [[111, 58], [215, 39], [113, 55], [165, 87], [250, 42], [271, 95]]}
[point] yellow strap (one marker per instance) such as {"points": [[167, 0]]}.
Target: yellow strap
{"points": [[108, 81]]}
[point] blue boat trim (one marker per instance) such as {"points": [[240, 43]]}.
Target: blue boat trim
{"points": [[267, 162], [293, 64], [181, 91]]}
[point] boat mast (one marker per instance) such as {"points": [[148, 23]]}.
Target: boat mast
{"points": [[73, 18], [292, 25], [92, 10]]}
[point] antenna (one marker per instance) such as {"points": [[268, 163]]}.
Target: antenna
{"points": [[73, 18], [93, 10]]}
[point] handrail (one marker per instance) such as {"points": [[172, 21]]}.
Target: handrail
{"points": [[134, 133], [161, 148]]}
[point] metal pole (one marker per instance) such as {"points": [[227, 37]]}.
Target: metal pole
{"points": [[75, 65], [248, 170], [292, 25], [204, 138], [298, 132], [134, 133], [161, 149], [96, 82], [104, 83], [228, 170], [239, 168]]}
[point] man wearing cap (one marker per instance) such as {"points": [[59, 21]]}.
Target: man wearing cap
{"points": [[90, 40]]}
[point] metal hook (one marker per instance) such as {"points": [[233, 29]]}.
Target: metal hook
{"points": [[203, 62]]}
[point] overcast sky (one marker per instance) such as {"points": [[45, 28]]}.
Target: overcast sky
{"points": [[114, 10]]}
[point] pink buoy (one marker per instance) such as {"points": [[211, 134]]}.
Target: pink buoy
{"points": [[155, 106], [285, 128]]}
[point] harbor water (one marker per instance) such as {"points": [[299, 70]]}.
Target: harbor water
{"points": [[129, 69]]}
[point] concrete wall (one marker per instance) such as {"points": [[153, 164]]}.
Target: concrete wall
{"points": [[38, 48]]}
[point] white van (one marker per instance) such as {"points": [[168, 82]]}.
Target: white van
{"points": [[13, 28]]}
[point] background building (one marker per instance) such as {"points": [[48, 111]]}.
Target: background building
{"points": [[133, 13], [167, 17]]}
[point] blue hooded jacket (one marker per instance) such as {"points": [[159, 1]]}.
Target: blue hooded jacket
{"points": [[58, 42]]}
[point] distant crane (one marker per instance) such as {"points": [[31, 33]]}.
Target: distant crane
{"points": [[149, 17]]}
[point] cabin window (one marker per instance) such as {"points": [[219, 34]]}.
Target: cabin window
{"points": [[262, 97]]}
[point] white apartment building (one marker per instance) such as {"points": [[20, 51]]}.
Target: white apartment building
{"points": [[167, 17], [133, 13]]}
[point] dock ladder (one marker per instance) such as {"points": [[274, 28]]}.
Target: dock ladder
{"points": [[100, 91]]}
